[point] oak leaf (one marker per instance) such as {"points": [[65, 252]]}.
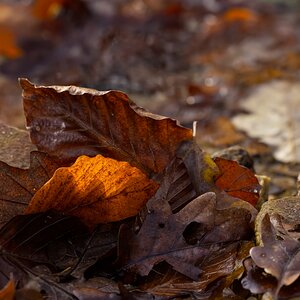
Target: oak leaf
{"points": [[19, 185], [276, 263], [68, 121], [237, 181], [97, 190]]}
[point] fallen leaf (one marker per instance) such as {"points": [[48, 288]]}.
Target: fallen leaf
{"points": [[190, 235], [274, 122], [161, 237], [225, 263], [279, 258], [15, 146], [237, 181], [8, 43], [18, 186], [67, 121], [8, 292], [97, 190]]}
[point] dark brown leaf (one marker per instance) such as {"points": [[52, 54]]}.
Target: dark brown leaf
{"points": [[279, 258], [67, 121], [19, 185], [165, 236], [225, 263], [60, 242]]}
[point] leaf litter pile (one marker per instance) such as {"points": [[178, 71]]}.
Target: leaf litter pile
{"points": [[120, 203]]}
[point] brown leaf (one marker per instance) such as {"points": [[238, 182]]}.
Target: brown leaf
{"points": [[226, 262], [68, 121], [19, 185], [97, 190], [186, 237], [161, 236], [237, 180], [279, 258]]}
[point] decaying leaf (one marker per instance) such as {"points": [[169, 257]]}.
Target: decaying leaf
{"points": [[97, 190], [278, 258], [68, 121], [19, 185], [227, 262], [275, 122], [165, 236], [237, 181], [161, 237]]}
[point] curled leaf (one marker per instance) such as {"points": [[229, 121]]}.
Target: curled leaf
{"points": [[68, 121], [97, 190]]}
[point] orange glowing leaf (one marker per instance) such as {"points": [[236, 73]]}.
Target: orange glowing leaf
{"points": [[97, 190], [237, 181], [8, 44], [8, 292]]}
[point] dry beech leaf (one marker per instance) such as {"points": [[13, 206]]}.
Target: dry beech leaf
{"points": [[8, 292], [237, 181], [68, 121], [19, 185], [97, 190]]}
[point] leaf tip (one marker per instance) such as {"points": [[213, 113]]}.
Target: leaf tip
{"points": [[25, 83]]}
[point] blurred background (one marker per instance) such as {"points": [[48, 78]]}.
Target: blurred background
{"points": [[231, 65]]}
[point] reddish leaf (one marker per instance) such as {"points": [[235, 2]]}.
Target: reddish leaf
{"points": [[97, 190], [237, 181], [68, 121], [19, 185]]}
